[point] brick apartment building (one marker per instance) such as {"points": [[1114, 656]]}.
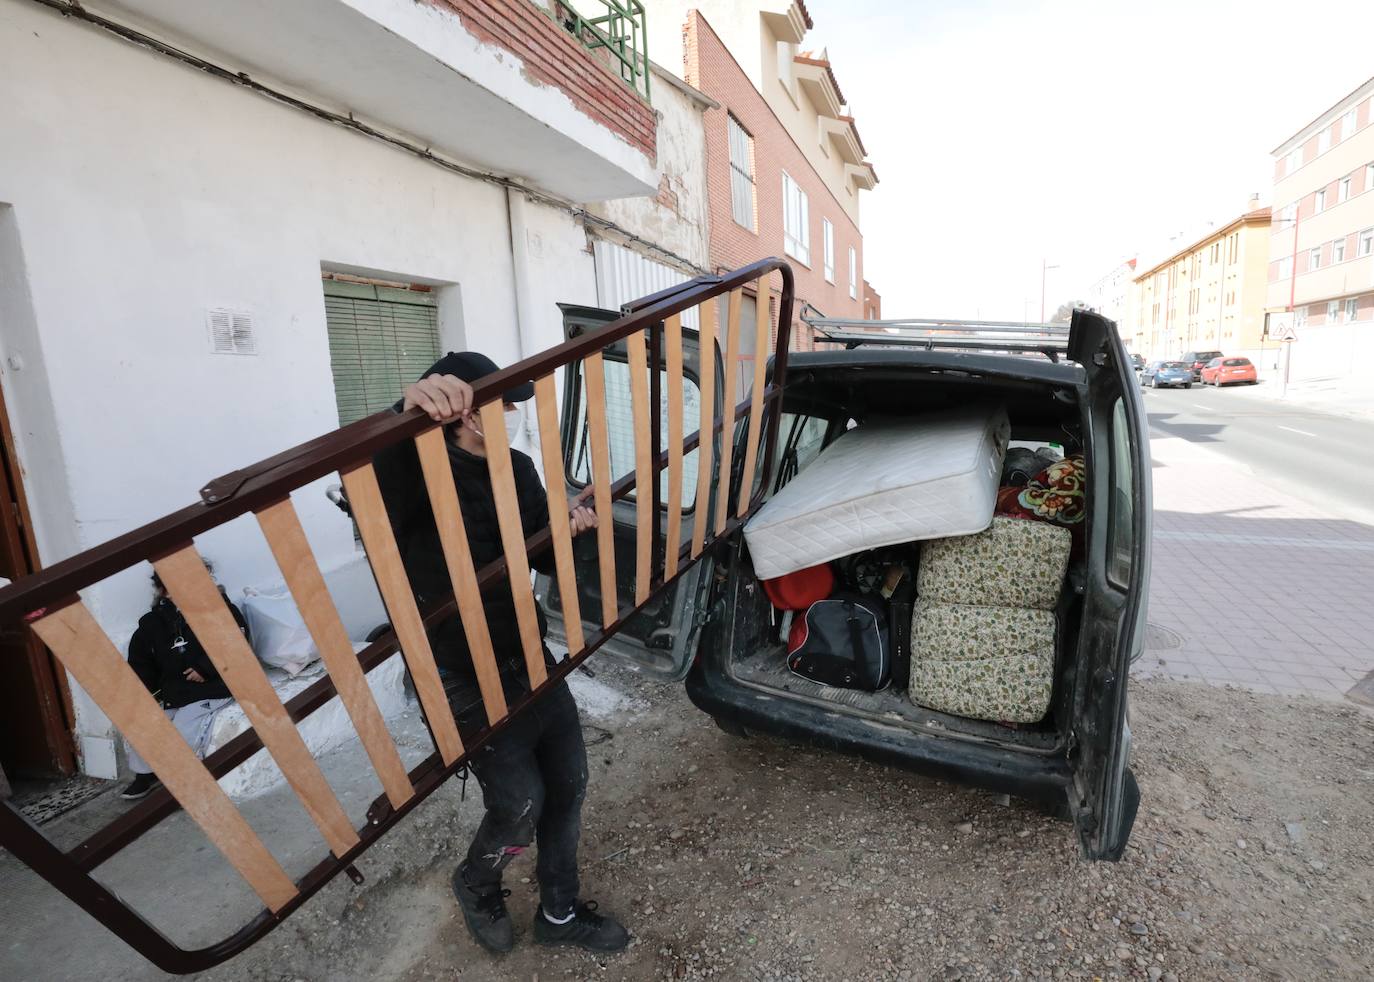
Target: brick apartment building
{"points": [[785, 163], [1321, 254]]}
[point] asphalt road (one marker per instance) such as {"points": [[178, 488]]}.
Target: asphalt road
{"points": [[1322, 458]]}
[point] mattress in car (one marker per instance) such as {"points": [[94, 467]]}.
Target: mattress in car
{"points": [[884, 483]]}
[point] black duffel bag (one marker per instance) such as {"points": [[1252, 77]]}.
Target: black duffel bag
{"points": [[843, 641]]}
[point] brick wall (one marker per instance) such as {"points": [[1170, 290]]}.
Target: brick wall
{"points": [[873, 303], [552, 56], [710, 67]]}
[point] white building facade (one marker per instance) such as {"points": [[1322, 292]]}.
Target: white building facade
{"points": [[222, 226]]}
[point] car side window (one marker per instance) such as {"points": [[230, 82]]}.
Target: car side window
{"points": [[620, 430], [800, 441], [1121, 517]]}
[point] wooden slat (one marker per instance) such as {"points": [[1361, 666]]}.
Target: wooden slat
{"points": [[645, 475], [551, 445], [702, 505], [369, 512], [194, 592], [286, 538], [87, 652], [594, 372], [453, 537], [513, 539], [727, 433], [751, 446], [672, 346]]}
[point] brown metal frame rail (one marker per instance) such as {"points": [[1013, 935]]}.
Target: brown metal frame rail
{"points": [[48, 603]]}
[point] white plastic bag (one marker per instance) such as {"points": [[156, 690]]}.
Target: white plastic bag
{"points": [[280, 637]]}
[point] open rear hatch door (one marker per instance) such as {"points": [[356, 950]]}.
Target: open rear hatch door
{"points": [[1104, 796], [661, 638]]}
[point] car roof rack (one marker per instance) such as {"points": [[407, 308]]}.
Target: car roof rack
{"points": [[1013, 337]]}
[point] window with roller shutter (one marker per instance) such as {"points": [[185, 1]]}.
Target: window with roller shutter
{"points": [[380, 340]]}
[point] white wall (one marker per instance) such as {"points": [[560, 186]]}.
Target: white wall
{"points": [[677, 218], [145, 192]]}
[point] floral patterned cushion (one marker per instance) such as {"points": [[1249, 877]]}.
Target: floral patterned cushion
{"points": [[1003, 690], [1014, 563], [964, 632], [993, 663]]}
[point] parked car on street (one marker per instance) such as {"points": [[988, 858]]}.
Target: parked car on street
{"points": [[717, 630], [1229, 371], [1167, 374], [1138, 362], [1197, 360]]}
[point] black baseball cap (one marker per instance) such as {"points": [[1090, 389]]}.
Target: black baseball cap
{"points": [[473, 366]]}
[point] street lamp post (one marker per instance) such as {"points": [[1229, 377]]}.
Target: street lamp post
{"points": [[1043, 270]]}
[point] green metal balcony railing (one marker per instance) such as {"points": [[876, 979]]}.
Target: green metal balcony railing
{"points": [[619, 32]]}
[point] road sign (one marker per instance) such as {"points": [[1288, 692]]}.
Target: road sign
{"points": [[1280, 326]]}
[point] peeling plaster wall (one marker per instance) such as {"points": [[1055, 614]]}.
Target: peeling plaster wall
{"points": [[675, 218]]}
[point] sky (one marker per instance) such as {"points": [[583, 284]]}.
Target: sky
{"points": [[1078, 134]]}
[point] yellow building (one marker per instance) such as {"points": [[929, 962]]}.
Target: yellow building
{"points": [[1207, 296]]}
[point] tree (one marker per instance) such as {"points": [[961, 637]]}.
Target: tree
{"points": [[1065, 312]]}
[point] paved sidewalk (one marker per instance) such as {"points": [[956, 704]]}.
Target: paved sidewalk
{"points": [[1352, 397], [1251, 586]]}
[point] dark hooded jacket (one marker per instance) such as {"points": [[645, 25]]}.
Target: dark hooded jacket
{"points": [[417, 536], [161, 662]]}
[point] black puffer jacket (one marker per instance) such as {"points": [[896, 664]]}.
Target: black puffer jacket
{"points": [[161, 662], [412, 521]]}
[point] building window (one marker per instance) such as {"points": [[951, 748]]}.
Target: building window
{"points": [[1314, 258], [741, 174], [380, 340], [853, 273], [1285, 267], [1343, 190], [1290, 212], [1369, 177], [786, 73], [1294, 159], [1319, 204], [1324, 141], [1351, 305], [1300, 317], [1338, 251], [796, 221], [1348, 125], [828, 243], [1365, 243], [1333, 311]]}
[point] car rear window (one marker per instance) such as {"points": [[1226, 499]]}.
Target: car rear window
{"points": [[1236, 361], [1175, 364]]}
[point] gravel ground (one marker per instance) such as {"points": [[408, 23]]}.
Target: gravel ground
{"points": [[758, 859]]}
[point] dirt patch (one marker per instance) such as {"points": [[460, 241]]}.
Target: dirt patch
{"points": [[759, 859]]}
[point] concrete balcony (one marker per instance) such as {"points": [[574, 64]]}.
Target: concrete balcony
{"points": [[497, 84]]}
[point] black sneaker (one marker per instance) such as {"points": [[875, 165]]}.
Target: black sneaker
{"points": [[484, 911], [587, 929], [139, 787]]}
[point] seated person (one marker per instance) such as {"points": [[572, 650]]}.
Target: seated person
{"points": [[170, 661]]}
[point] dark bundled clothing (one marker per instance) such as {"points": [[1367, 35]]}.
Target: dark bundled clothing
{"points": [[163, 647], [417, 536]]}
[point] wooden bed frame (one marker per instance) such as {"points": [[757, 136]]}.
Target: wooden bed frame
{"points": [[50, 605]]}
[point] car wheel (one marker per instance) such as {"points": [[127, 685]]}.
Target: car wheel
{"points": [[1187, 385]]}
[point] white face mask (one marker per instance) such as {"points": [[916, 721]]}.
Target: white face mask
{"points": [[515, 423]]}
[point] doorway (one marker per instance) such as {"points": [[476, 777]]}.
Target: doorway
{"points": [[35, 705]]}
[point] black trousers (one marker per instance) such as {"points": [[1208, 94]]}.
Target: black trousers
{"points": [[534, 778]]}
